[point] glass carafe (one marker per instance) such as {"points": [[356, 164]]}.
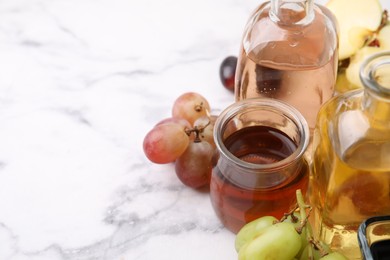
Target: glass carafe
{"points": [[351, 161], [289, 52]]}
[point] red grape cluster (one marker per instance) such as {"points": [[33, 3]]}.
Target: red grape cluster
{"points": [[186, 139]]}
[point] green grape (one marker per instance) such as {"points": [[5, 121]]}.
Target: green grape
{"points": [[279, 241], [334, 256], [305, 253], [253, 229], [296, 221], [304, 240]]}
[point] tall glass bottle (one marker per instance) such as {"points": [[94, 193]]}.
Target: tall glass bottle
{"points": [[351, 162], [289, 52]]}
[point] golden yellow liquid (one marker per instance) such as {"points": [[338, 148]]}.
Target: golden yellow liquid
{"points": [[346, 189]]}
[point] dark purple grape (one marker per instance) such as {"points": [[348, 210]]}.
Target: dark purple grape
{"points": [[227, 72]]}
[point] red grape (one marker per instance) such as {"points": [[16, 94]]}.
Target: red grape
{"points": [[194, 166], [165, 143], [227, 72], [186, 125], [190, 106]]}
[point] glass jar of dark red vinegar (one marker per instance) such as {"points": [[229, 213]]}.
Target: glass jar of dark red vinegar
{"points": [[261, 144]]}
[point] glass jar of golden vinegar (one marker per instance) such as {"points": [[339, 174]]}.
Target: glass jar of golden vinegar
{"points": [[350, 179]]}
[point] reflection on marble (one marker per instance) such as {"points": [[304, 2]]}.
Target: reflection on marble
{"points": [[81, 83]]}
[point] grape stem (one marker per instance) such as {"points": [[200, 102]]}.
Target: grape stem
{"points": [[302, 210], [199, 107], [316, 245], [301, 206], [197, 130], [294, 219], [304, 218], [197, 138]]}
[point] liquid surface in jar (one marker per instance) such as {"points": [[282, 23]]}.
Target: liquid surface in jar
{"points": [[236, 206], [260, 145]]}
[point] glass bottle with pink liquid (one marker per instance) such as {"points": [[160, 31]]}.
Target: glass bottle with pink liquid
{"points": [[289, 52]]}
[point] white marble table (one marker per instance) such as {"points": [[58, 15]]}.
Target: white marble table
{"points": [[81, 82]]}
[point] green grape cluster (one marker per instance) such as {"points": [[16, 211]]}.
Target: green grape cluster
{"points": [[286, 239]]}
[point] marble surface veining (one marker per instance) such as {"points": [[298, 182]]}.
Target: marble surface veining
{"points": [[81, 83]]}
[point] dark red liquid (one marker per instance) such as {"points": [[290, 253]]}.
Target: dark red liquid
{"points": [[236, 206]]}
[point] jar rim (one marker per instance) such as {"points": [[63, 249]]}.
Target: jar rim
{"points": [[367, 72], [260, 102]]}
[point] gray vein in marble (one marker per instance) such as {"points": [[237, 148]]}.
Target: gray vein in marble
{"points": [[12, 237], [129, 235], [15, 251], [78, 115], [142, 229], [2, 165], [31, 43], [147, 72], [128, 194], [62, 27], [126, 74]]}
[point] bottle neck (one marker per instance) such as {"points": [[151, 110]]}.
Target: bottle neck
{"points": [[374, 74], [377, 109], [292, 12]]}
